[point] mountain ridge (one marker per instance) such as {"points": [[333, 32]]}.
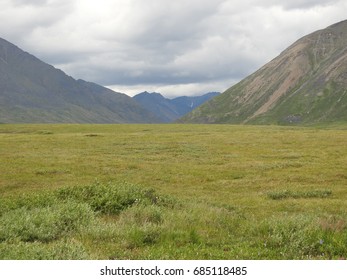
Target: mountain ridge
{"points": [[34, 91], [305, 84]]}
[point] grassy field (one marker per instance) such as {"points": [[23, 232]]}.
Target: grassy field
{"points": [[173, 192]]}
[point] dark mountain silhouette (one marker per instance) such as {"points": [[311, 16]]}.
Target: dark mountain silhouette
{"points": [[33, 91]]}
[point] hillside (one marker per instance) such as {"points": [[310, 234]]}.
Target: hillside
{"points": [[169, 110], [33, 91], [306, 83]]}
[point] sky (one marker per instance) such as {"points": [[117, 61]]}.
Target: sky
{"points": [[175, 47]]}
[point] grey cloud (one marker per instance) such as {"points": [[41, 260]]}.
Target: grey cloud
{"points": [[21, 19], [161, 42], [299, 4], [30, 3]]}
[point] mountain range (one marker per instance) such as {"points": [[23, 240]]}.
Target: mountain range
{"points": [[169, 110], [32, 91], [305, 84]]}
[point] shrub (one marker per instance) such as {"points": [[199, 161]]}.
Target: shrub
{"points": [[303, 236], [44, 224], [112, 198]]}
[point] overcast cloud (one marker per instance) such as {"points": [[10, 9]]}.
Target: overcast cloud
{"points": [[174, 47]]}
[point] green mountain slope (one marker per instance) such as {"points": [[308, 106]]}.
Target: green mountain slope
{"points": [[33, 91], [306, 83]]}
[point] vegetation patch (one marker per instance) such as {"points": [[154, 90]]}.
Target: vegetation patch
{"points": [[40, 226], [111, 198], [44, 132], [302, 236], [285, 194], [44, 224], [50, 172]]}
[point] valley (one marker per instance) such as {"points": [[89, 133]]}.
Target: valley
{"points": [[256, 172]]}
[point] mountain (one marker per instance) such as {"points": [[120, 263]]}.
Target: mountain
{"points": [[306, 84], [33, 91], [158, 105], [169, 110]]}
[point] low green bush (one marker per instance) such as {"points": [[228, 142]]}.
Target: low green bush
{"points": [[303, 237], [33, 226], [44, 224], [112, 198]]}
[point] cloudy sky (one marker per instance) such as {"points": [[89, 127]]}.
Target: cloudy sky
{"points": [[175, 47]]}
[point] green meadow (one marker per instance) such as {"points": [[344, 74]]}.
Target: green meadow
{"points": [[173, 192]]}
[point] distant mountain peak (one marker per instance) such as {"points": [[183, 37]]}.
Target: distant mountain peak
{"points": [[150, 93], [169, 110]]}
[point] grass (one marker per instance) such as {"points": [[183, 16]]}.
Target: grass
{"points": [[172, 192]]}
